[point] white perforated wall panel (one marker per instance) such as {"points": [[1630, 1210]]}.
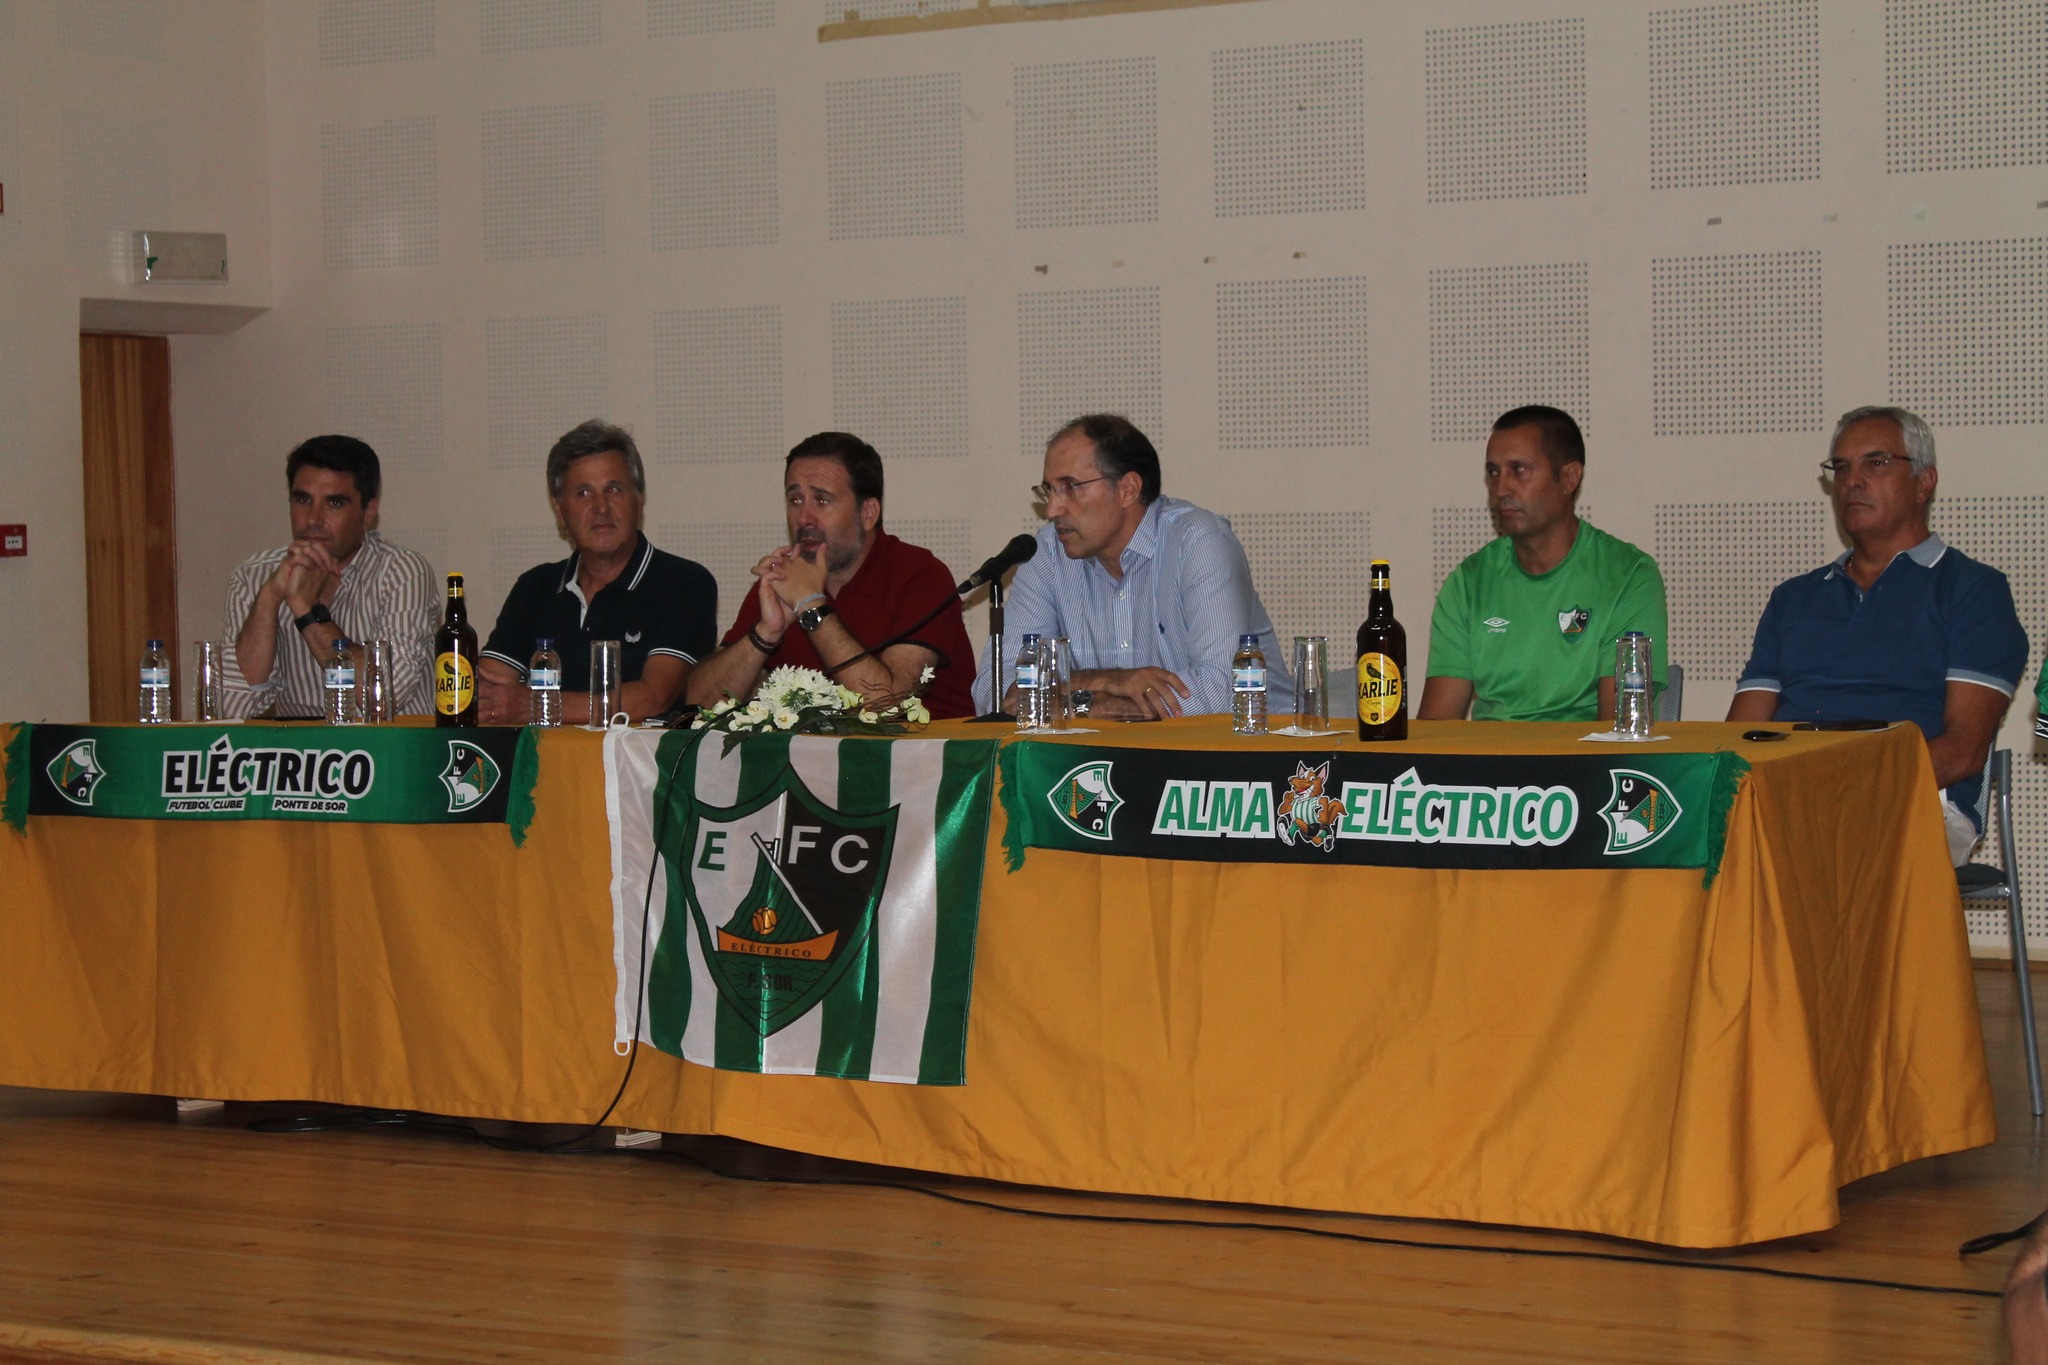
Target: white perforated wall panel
{"points": [[1087, 143], [727, 548], [680, 18], [1312, 570], [1968, 325], [718, 385], [1084, 351], [514, 550], [1720, 563], [1505, 106], [358, 32], [893, 157], [1735, 94], [542, 376], [384, 387], [1458, 533], [1289, 125], [899, 375], [1291, 364], [1735, 343], [1965, 84], [543, 174], [950, 538], [117, 174], [380, 194], [833, 11], [113, 28], [526, 25], [1502, 336], [6, 21], [711, 169]]}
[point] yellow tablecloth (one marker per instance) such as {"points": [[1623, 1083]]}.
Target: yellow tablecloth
{"points": [[1621, 1052]]}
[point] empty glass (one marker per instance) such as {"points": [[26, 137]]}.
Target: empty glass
{"points": [[206, 680], [1056, 664], [373, 683], [1311, 682], [605, 684]]}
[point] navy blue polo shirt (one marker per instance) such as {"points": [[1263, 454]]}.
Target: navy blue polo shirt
{"points": [[1934, 616], [660, 604]]}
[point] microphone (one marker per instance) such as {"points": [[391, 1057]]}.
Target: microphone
{"points": [[999, 563]]}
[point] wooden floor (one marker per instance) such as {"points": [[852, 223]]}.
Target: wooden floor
{"points": [[129, 1234]]}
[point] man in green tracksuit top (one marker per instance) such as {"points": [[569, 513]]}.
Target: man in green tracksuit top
{"points": [[1525, 628]]}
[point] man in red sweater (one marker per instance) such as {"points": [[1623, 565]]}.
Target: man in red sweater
{"points": [[844, 586]]}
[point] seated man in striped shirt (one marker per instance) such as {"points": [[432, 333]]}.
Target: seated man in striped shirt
{"points": [[338, 577], [1152, 591]]}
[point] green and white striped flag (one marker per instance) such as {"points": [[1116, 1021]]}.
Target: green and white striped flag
{"points": [[814, 907]]}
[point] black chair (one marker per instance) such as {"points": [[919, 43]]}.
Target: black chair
{"points": [[1982, 882]]}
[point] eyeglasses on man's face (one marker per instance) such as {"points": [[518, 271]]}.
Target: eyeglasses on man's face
{"points": [[1063, 489], [1876, 462]]}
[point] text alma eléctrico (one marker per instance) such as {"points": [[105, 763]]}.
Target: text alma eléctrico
{"points": [[1406, 810]]}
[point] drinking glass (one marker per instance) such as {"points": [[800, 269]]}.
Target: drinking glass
{"points": [[373, 683], [1311, 682], [605, 683], [1056, 666], [206, 680]]}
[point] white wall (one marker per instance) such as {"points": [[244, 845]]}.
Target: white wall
{"points": [[114, 115], [1312, 245]]}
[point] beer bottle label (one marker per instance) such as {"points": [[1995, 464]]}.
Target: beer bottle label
{"points": [[454, 684], [1380, 696]]}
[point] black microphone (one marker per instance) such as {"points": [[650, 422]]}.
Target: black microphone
{"points": [[1000, 563]]}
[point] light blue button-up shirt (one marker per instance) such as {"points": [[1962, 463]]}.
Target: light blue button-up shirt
{"points": [[1184, 599]]}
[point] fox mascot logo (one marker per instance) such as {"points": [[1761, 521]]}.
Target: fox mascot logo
{"points": [[1306, 814]]}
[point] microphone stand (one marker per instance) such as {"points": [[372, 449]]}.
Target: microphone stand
{"points": [[995, 656]]}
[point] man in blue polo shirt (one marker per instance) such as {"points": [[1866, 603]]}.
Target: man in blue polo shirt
{"points": [[1899, 627], [662, 609]]}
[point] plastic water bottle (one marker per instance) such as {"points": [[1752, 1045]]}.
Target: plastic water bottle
{"points": [[1248, 687], [153, 701], [1031, 708], [1632, 708], [340, 678], [544, 682]]}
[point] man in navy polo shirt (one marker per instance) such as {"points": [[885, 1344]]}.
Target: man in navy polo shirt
{"points": [[616, 586], [1899, 627], [841, 593]]}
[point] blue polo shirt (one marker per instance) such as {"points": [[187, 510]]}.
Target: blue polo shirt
{"points": [[1934, 616]]}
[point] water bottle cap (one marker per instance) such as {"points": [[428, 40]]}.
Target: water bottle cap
{"points": [[1247, 642], [153, 644], [1634, 635], [1030, 637], [544, 642], [343, 642]]}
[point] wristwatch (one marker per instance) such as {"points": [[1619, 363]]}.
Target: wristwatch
{"points": [[319, 615], [1081, 700], [815, 617]]}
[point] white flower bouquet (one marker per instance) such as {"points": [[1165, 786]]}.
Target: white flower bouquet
{"points": [[804, 701]]}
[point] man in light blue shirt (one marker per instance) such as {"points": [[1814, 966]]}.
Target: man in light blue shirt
{"points": [[1153, 592]]}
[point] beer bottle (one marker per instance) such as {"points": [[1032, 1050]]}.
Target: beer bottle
{"points": [[1382, 665], [455, 662]]}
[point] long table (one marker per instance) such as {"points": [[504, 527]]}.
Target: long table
{"points": [[1626, 1052]]}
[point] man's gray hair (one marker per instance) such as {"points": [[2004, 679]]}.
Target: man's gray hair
{"points": [[594, 437], [1918, 436]]}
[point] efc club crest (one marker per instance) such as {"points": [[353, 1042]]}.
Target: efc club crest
{"points": [[1307, 814], [1641, 811], [469, 777], [1572, 624], [76, 771], [782, 891], [1085, 801]]}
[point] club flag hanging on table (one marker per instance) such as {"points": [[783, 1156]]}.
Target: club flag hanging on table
{"points": [[814, 906]]}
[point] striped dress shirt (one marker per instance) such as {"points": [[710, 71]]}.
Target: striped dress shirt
{"points": [[385, 593]]}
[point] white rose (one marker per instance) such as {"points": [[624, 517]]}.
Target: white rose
{"points": [[916, 712], [868, 717], [757, 710], [785, 719]]}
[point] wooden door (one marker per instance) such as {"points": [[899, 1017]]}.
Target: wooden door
{"points": [[131, 547]]}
